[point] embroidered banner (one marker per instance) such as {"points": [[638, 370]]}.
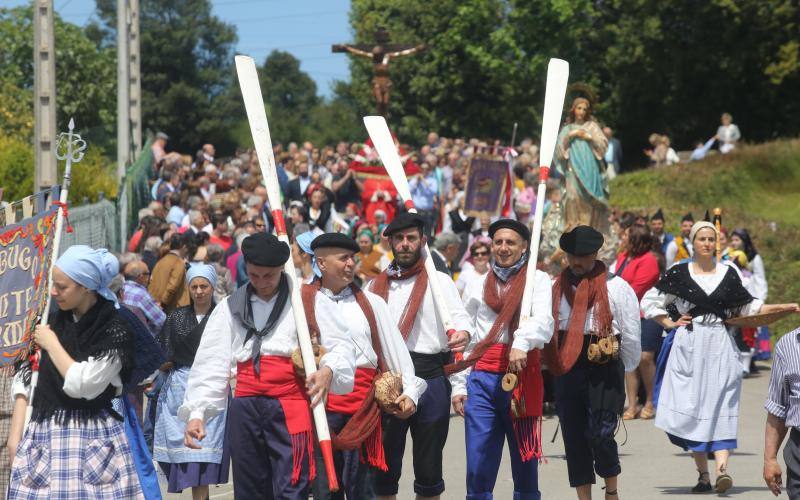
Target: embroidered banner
{"points": [[24, 247], [486, 185]]}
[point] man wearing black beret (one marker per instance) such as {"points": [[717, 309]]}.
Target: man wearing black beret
{"points": [[404, 287], [269, 416], [597, 339], [494, 411]]}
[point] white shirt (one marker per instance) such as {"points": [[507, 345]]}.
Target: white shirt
{"points": [[626, 321], [428, 335], [467, 275], [84, 379], [345, 308], [532, 333], [223, 345]]}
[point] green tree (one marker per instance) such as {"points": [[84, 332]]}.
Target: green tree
{"points": [[655, 65], [187, 70], [85, 76]]}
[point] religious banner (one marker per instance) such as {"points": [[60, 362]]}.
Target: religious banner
{"points": [[25, 251], [486, 185]]}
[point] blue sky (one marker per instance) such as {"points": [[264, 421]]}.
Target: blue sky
{"points": [[305, 28]]}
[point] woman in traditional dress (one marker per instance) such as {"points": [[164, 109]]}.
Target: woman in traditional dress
{"points": [[580, 149], [75, 445], [180, 338], [698, 404]]}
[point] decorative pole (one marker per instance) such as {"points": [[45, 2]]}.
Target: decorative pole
{"points": [[69, 148]]}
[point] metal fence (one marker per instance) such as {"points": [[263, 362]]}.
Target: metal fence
{"points": [[96, 225]]}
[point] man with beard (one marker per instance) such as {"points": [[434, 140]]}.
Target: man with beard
{"points": [[269, 420], [681, 248], [404, 286], [497, 406], [597, 339], [379, 348]]}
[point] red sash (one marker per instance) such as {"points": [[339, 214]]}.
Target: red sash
{"points": [[351, 402], [279, 381]]}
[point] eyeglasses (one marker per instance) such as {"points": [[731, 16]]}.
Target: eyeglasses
{"points": [[480, 254]]}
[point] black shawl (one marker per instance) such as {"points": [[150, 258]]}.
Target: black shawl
{"points": [[181, 334], [99, 333], [725, 302]]}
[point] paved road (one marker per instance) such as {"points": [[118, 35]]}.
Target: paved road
{"points": [[652, 467]]}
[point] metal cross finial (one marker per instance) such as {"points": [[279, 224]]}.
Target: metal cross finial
{"points": [[70, 148]]}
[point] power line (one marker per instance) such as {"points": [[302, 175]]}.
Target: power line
{"points": [[287, 16]]}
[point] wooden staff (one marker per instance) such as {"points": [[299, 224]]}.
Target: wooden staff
{"points": [[257, 116], [718, 225]]}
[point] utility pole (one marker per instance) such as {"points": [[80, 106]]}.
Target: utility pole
{"points": [[44, 94], [135, 77], [123, 91]]}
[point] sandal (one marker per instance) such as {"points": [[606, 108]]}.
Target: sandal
{"points": [[631, 413], [703, 485], [647, 413], [723, 483]]}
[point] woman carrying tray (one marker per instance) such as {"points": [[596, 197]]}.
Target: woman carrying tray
{"points": [[698, 405]]}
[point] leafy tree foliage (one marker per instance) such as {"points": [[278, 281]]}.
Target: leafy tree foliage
{"points": [[187, 69], [654, 65], [86, 78]]}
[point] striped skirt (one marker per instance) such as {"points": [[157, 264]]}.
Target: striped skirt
{"points": [[78, 461]]}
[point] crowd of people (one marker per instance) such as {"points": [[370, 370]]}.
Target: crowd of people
{"points": [[627, 321]]}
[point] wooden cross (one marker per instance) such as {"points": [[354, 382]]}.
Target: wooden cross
{"points": [[381, 52]]}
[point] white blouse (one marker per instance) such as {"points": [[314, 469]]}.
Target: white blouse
{"points": [[654, 303], [84, 379], [347, 310]]}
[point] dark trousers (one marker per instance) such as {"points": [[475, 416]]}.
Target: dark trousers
{"points": [[261, 451], [429, 427], [791, 455], [588, 433], [355, 478]]}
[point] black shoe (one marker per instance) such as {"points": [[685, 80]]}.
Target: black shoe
{"points": [[703, 484]]}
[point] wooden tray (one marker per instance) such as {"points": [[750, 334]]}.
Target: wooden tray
{"points": [[756, 320]]}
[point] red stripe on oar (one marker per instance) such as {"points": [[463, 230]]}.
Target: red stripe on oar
{"points": [[409, 204], [327, 457], [280, 223], [544, 173]]}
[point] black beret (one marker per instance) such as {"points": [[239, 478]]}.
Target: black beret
{"points": [[582, 240], [265, 249], [402, 221], [335, 240], [512, 224]]}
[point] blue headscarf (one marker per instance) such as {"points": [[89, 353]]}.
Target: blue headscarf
{"points": [[206, 271], [304, 242], [93, 269]]}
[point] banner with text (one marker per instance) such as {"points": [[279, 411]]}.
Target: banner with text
{"points": [[25, 251]]}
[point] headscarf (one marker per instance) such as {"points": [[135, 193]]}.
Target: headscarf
{"points": [[304, 242], [93, 269], [206, 271], [701, 225]]}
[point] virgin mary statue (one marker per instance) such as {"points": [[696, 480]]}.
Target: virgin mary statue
{"points": [[580, 149]]}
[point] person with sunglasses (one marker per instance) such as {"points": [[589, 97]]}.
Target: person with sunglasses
{"points": [[476, 263]]}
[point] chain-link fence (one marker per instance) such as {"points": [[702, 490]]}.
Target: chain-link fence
{"points": [[135, 191], [96, 225]]}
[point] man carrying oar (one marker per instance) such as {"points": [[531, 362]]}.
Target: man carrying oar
{"points": [[404, 285], [356, 417], [597, 339], [499, 392], [270, 423]]}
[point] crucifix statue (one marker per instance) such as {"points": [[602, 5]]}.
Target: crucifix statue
{"points": [[380, 53]]}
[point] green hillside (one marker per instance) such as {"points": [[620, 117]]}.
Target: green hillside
{"points": [[758, 188]]}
